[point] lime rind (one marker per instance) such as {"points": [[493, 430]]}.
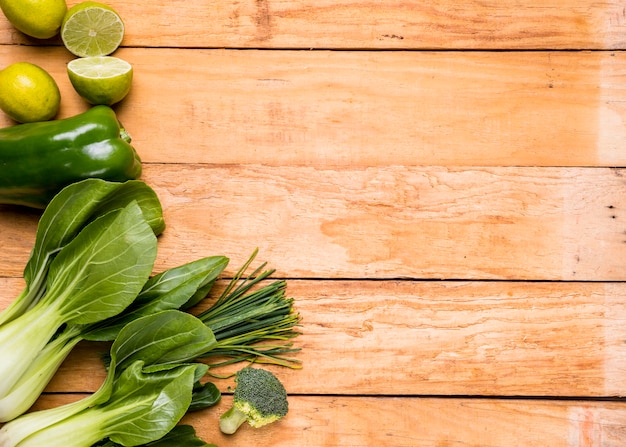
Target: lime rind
{"points": [[93, 31]]}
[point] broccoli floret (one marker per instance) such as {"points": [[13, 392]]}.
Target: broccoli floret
{"points": [[259, 398]]}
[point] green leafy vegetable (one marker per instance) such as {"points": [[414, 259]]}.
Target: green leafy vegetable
{"points": [[142, 407], [168, 290], [94, 251], [147, 390], [172, 289], [93, 277], [204, 396]]}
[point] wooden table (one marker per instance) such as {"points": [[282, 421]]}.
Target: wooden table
{"points": [[442, 184]]}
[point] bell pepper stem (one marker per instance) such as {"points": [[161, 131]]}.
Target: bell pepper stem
{"points": [[124, 135]]}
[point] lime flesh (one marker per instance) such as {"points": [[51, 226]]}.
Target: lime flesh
{"points": [[92, 29]]}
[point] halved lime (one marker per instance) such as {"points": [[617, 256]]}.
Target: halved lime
{"points": [[92, 29], [101, 79]]}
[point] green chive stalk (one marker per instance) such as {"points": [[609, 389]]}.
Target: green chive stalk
{"points": [[253, 323]]}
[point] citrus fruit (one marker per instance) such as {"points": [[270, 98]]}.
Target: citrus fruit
{"points": [[28, 93], [101, 79], [36, 18], [92, 29]]}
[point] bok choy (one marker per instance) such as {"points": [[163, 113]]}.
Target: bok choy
{"points": [[94, 251], [147, 390], [170, 289]]}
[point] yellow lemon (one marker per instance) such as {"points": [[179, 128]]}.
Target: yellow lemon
{"points": [[101, 79], [37, 18], [28, 93]]}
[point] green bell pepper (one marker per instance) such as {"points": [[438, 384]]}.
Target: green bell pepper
{"points": [[38, 159]]}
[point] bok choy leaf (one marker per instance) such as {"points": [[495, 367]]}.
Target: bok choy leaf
{"points": [[175, 288], [142, 408], [66, 215]]}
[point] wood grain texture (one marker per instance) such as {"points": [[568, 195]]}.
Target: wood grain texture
{"points": [[369, 24], [441, 183], [340, 421], [431, 222], [366, 108], [406, 338], [413, 422], [500, 223]]}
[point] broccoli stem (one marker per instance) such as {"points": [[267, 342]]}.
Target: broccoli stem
{"points": [[232, 420]]}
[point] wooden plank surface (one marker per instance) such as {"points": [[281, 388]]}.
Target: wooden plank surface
{"points": [[424, 222], [423, 422], [334, 108], [370, 24], [438, 338], [441, 183]]}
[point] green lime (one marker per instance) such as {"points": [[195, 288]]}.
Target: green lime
{"points": [[36, 18], [101, 79], [92, 29], [28, 93]]}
